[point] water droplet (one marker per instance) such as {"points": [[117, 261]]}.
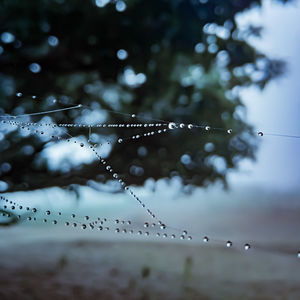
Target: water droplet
{"points": [[207, 128], [298, 254], [120, 141], [181, 125], [19, 94], [246, 246], [133, 116], [184, 232], [172, 125], [48, 212], [190, 126], [54, 222], [83, 226], [173, 236], [229, 131], [33, 97], [189, 238], [228, 244], [163, 226], [81, 144], [73, 215], [34, 210], [182, 237], [74, 224], [117, 230], [205, 239], [67, 223], [86, 217], [260, 133], [146, 224]]}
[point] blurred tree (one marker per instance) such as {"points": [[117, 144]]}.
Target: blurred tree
{"points": [[179, 60]]}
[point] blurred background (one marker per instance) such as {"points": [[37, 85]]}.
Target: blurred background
{"points": [[224, 64]]}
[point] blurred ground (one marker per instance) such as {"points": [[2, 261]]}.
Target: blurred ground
{"points": [[55, 262], [45, 261]]}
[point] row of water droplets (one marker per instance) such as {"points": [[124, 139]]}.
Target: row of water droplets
{"points": [[99, 223]]}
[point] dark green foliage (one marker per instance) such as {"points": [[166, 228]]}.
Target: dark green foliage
{"points": [[182, 85]]}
